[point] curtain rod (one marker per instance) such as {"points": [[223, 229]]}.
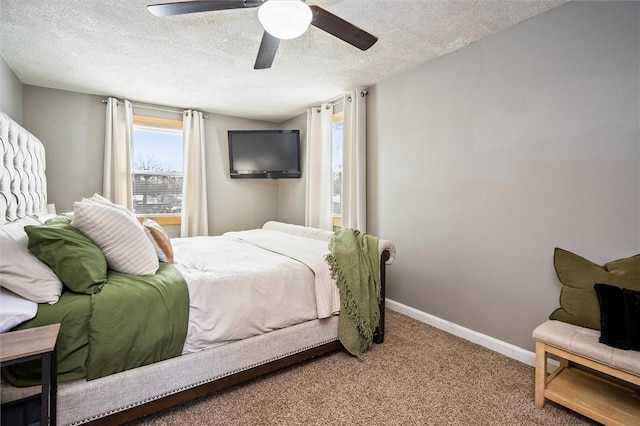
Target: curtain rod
{"points": [[340, 99], [104, 101]]}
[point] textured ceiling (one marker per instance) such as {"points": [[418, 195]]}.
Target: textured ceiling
{"points": [[205, 60]]}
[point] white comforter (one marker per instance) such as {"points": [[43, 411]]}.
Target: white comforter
{"points": [[238, 289]]}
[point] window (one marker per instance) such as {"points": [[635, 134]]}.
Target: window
{"points": [[157, 158], [337, 135]]}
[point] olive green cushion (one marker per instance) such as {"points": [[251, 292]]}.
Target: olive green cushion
{"points": [[61, 219], [578, 299], [76, 260]]}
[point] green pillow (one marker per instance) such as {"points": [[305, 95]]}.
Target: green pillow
{"points": [[76, 260], [578, 299], [61, 219]]}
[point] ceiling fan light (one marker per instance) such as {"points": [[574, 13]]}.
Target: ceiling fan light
{"points": [[285, 19]]}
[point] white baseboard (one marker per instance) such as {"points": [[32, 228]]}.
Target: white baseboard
{"points": [[504, 348]]}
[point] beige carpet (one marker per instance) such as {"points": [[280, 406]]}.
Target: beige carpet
{"points": [[419, 376]]}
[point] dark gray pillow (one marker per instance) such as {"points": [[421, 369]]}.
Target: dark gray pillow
{"points": [[619, 316]]}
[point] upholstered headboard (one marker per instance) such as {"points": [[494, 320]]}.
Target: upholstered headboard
{"points": [[23, 185]]}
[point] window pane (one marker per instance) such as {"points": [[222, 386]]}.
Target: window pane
{"points": [[157, 170], [336, 143]]}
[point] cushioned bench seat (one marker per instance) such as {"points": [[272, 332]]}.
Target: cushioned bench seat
{"points": [[609, 402], [584, 341]]}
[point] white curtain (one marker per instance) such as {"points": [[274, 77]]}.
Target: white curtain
{"points": [[318, 168], [195, 217], [117, 153], [354, 167]]}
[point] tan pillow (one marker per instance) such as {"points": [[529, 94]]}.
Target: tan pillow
{"points": [[119, 235], [159, 239]]}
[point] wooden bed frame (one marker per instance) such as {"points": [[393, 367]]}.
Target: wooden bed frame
{"points": [[28, 197], [243, 376], [136, 409]]}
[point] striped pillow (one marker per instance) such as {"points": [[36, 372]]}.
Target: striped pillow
{"points": [[119, 236]]}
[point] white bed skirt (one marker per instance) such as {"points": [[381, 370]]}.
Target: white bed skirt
{"points": [[82, 401]]}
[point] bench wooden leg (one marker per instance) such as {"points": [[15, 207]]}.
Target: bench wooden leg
{"points": [[541, 374]]}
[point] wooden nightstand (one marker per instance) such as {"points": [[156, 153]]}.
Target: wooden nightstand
{"points": [[35, 343]]}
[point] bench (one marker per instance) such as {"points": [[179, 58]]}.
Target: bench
{"points": [[611, 398]]}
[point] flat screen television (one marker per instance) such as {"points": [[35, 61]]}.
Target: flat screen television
{"points": [[262, 154]]}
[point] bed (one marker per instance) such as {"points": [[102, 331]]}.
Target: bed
{"points": [[291, 317]]}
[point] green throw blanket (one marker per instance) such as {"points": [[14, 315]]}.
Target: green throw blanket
{"points": [[132, 321], [355, 265]]}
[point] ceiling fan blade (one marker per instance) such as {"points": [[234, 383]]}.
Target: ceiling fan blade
{"points": [[194, 6], [266, 53], [342, 29]]}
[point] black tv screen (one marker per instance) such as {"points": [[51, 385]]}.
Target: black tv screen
{"points": [[260, 154]]}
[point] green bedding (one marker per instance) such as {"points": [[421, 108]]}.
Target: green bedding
{"points": [[73, 312], [137, 320], [132, 321]]}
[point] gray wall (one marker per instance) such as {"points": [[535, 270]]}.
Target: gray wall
{"points": [[480, 163], [484, 160], [292, 191], [71, 126], [235, 204], [10, 92]]}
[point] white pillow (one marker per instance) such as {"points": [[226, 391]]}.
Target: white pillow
{"points": [[14, 310], [22, 272], [119, 235], [43, 217], [100, 199]]}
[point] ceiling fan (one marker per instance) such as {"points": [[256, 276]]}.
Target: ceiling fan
{"points": [[281, 19]]}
